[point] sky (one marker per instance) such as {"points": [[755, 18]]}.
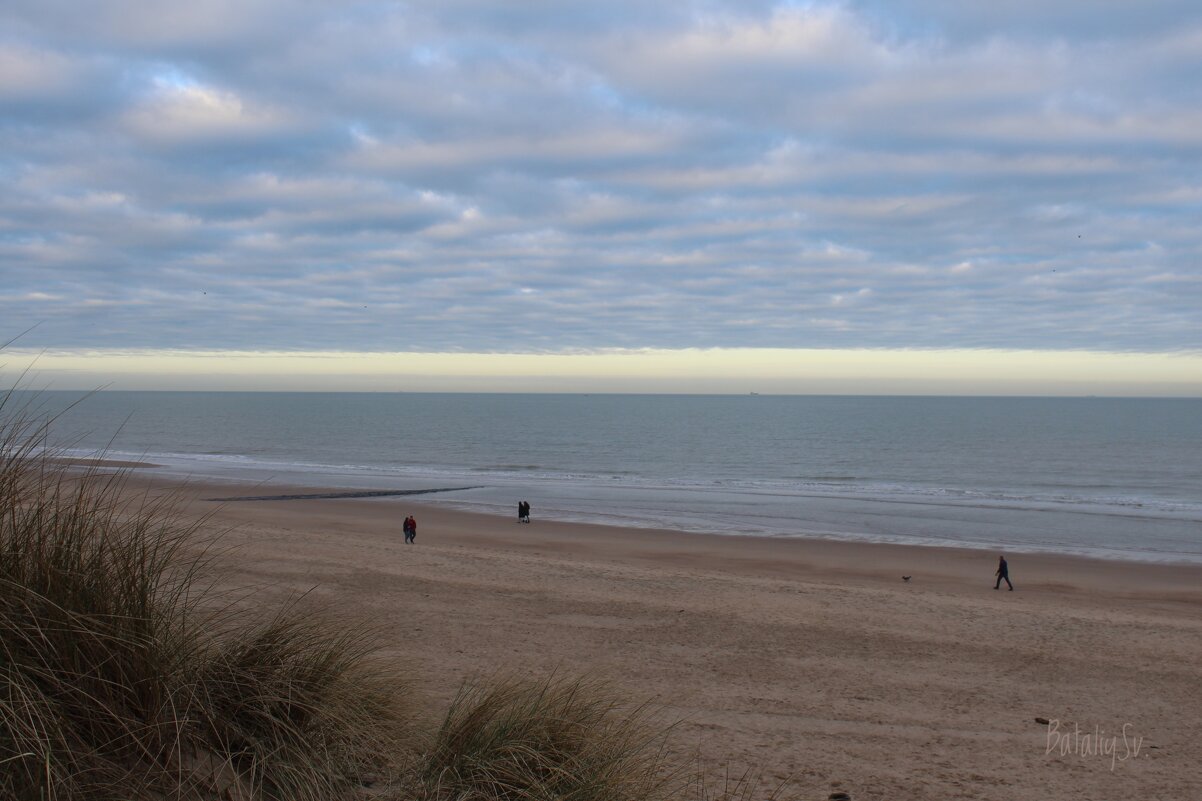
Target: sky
{"points": [[865, 196]]}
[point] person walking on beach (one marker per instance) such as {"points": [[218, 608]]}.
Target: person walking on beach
{"points": [[412, 529], [1003, 572], [524, 511]]}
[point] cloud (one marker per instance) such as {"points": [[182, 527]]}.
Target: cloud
{"points": [[176, 113], [486, 177], [29, 72], [132, 26]]}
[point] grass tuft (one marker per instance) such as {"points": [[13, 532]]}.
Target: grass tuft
{"points": [[301, 708], [557, 739], [119, 682]]}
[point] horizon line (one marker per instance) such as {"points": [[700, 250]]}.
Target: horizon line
{"points": [[646, 371]]}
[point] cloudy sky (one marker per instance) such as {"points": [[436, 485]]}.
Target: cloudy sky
{"points": [[539, 177]]}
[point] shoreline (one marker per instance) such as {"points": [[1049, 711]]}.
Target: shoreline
{"points": [[1022, 524], [239, 490], [877, 561]]}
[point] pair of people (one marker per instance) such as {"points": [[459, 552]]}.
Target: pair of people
{"points": [[410, 528], [523, 511]]}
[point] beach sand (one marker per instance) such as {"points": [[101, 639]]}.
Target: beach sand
{"points": [[808, 660]]}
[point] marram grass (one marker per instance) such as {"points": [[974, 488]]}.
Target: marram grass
{"points": [[536, 741], [119, 681]]}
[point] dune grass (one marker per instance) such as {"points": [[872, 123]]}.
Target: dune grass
{"points": [[557, 739], [120, 678], [123, 677], [301, 707]]}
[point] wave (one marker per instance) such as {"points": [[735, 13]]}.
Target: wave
{"points": [[823, 479]]}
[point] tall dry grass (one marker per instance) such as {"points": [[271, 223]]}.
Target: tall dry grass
{"points": [[120, 678], [300, 707], [565, 739]]}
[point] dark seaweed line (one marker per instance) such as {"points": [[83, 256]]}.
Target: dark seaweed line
{"points": [[362, 494]]}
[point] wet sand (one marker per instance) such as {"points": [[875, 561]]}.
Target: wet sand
{"points": [[808, 659]]}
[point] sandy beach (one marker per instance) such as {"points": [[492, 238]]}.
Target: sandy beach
{"points": [[809, 660]]}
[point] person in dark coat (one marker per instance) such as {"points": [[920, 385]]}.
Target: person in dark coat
{"points": [[1003, 572]]}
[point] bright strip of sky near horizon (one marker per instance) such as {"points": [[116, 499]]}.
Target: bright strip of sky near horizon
{"points": [[845, 196], [738, 371]]}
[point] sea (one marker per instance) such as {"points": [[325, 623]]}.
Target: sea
{"points": [[1116, 478]]}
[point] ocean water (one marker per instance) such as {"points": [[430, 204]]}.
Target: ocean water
{"points": [[1108, 477]]}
